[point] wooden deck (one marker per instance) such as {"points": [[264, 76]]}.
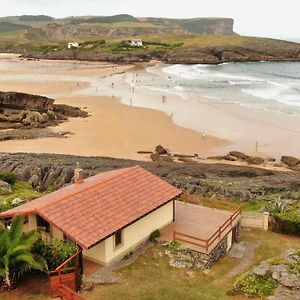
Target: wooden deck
{"points": [[198, 227]]}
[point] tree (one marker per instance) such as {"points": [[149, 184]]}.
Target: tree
{"points": [[15, 252]]}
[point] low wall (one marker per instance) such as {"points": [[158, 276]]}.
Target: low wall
{"points": [[255, 220]]}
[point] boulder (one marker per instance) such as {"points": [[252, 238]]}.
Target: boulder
{"points": [[292, 256], [290, 161], [159, 158], [33, 118], [238, 155], [5, 186], [283, 292], [160, 150], [34, 180], [255, 160], [262, 269], [286, 277]]}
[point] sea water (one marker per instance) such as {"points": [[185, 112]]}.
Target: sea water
{"points": [[264, 85]]}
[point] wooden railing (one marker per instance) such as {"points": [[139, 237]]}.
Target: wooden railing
{"points": [[62, 278], [218, 235], [209, 202], [68, 294]]}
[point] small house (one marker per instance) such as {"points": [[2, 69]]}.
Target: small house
{"points": [[106, 215], [72, 45], [136, 43]]}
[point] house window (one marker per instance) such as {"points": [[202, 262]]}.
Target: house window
{"points": [[118, 238], [42, 224]]}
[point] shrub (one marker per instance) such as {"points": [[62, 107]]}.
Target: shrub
{"points": [[286, 222], [252, 285], [55, 252], [154, 235], [8, 177], [128, 255]]}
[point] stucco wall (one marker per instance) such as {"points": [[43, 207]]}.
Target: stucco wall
{"points": [[229, 240], [96, 254], [255, 220], [133, 235], [56, 233], [32, 222]]}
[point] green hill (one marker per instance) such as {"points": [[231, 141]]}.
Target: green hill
{"points": [[111, 19], [11, 27]]}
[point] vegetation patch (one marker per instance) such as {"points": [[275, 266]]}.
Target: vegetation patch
{"points": [[252, 285], [21, 191], [55, 252], [154, 235], [8, 177]]}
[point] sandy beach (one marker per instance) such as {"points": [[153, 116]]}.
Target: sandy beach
{"points": [[125, 117], [112, 129]]}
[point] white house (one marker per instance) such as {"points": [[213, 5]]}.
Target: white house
{"points": [[73, 45], [136, 43]]}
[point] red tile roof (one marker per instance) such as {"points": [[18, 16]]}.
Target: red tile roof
{"points": [[93, 210]]}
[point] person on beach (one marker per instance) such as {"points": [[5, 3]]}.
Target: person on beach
{"points": [[112, 85], [203, 135]]}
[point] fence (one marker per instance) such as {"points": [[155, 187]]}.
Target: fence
{"points": [[63, 281], [255, 220]]}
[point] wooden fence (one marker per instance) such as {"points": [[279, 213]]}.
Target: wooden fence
{"points": [[206, 244], [209, 202], [63, 282], [68, 294]]}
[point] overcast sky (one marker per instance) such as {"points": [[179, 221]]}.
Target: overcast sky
{"points": [[273, 18]]}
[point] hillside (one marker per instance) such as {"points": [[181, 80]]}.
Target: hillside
{"points": [[11, 27], [101, 38]]}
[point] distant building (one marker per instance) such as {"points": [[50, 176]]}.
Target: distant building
{"points": [[73, 45], [136, 43]]}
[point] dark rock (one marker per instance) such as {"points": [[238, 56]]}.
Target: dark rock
{"points": [[239, 155], [160, 150], [23, 101], [290, 161], [255, 160]]}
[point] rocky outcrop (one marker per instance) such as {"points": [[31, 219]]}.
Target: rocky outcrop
{"points": [[23, 101], [229, 182], [290, 161], [26, 111]]}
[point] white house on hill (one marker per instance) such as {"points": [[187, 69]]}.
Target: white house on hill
{"points": [[73, 45], [136, 43]]}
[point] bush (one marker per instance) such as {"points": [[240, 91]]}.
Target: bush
{"points": [[154, 235], [286, 222], [8, 177], [55, 252], [252, 285]]}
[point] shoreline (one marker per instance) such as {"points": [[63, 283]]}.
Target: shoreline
{"points": [[219, 121]]}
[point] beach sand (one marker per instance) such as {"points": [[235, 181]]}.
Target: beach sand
{"points": [[112, 129], [126, 117]]}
